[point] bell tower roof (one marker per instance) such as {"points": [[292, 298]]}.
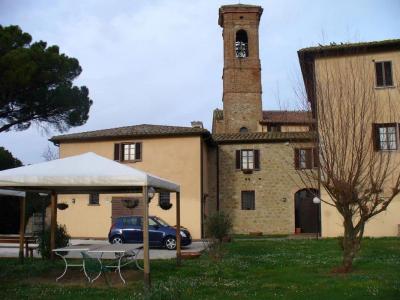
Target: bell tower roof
{"points": [[238, 8]]}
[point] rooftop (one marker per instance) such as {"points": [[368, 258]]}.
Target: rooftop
{"points": [[276, 116], [351, 48], [308, 55], [143, 130], [286, 116], [254, 137], [238, 8]]}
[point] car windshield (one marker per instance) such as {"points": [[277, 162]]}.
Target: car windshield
{"points": [[161, 221]]}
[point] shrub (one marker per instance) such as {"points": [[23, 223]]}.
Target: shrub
{"points": [[62, 240], [218, 226]]}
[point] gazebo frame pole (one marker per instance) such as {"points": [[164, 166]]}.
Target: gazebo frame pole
{"points": [[146, 255], [178, 228], [53, 224], [22, 209]]}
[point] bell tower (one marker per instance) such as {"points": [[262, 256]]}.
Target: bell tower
{"points": [[242, 104]]}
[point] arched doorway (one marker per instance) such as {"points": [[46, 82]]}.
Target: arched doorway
{"points": [[306, 212]]}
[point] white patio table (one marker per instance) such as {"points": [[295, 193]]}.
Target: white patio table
{"points": [[74, 249], [128, 252]]}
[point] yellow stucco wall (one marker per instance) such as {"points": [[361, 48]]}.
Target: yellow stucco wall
{"points": [[174, 158], [386, 223], [295, 128], [288, 128]]}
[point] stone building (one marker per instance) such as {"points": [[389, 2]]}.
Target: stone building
{"points": [[247, 166], [255, 151]]}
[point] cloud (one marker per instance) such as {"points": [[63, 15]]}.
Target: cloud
{"points": [[161, 61]]}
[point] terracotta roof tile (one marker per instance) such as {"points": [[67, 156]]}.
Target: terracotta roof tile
{"points": [[351, 46], [144, 130], [263, 137], [284, 116]]}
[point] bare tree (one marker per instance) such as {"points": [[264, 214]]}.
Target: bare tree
{"points": [[359, 173], [50, 153]]}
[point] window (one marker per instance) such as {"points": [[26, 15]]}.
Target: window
{"points": [[385, 136], [274, 128], [132, 221], [94, 199], [130, 152], [152, 222], [248, 159], [383, 70], [305, 158], [243, 130], [241, 44], [248, 200]]}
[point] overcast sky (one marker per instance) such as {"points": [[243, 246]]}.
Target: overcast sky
{"points": [[160, 61]]}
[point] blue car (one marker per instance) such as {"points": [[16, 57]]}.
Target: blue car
{"points": [[129, 230]]}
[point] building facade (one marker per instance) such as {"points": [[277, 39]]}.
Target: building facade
{"points": [[257, 175], [178, 154], [367, 76], [250, 165]]}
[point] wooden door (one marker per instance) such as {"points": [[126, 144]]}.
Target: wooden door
{"points": [[306, 212], [119, 209]]}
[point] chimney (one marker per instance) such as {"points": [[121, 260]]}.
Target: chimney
{"points": [[197, 124]]}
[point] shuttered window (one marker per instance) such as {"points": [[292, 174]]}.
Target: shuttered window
{"points": [[305, 158], [94, 199], [385, 136], [247, 159], [383, 72], [248, 200], [130, 152]]}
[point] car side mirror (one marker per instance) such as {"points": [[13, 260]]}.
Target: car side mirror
{"points": [[156, 226]]}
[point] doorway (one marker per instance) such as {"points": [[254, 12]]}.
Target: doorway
{"points": [[306, 212]]}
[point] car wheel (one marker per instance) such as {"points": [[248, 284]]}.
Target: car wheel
{"points": [[117, 240], [170, 243]]}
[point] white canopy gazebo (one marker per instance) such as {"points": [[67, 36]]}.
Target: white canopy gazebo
{"points": [[86, 173]]}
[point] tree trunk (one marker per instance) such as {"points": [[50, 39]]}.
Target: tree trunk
{"points": [[351, 245]]}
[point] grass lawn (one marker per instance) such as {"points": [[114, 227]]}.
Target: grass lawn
{"points": [[254, 269]]}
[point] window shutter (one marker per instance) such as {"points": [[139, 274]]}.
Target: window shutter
{"points": [[257, 159], [248, 200], [238, 160], [138, 151], [309, 159], [296, 158], [388, 73], [379, 74], [375, 136], [117, 152], [315, 158]]}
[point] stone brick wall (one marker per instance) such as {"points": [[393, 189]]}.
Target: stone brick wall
{"points": [[274, 184], [218, 126], [242, 110], [242, 76]]}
